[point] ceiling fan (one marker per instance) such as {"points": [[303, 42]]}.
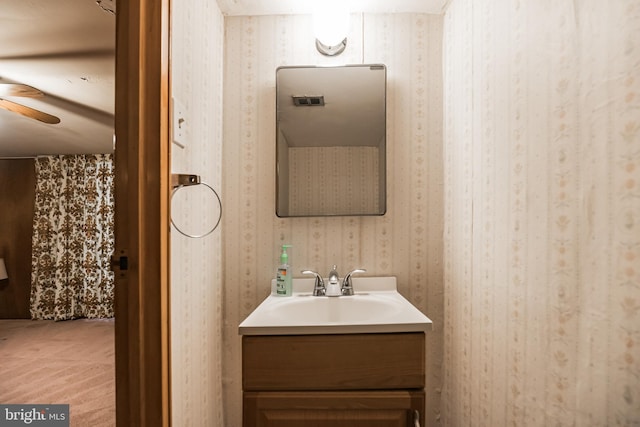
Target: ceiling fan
{"points": [[13, 89]]}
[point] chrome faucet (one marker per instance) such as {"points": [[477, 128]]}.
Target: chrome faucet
{"points": [[320, 289], [333, 288], [333, 275]]}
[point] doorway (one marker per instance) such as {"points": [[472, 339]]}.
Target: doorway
{"points": [[142, 194]]}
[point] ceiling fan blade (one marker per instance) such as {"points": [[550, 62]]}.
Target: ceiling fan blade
{"points": [[13, 89], [29, 112]]}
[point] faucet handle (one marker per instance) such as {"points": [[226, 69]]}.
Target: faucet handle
{"points": [[318, 289], [347, 287]]}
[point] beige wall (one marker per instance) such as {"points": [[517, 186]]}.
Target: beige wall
{"points": [[406, 242], [542, 219], [541, 169], [196, 264]]}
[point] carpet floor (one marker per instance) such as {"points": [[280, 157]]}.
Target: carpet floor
{"points": [[70, 362]]}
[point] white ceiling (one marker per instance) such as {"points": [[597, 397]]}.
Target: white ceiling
{"points": [[66, 49]]}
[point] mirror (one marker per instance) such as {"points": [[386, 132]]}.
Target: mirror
{"points": [[331, 140]]}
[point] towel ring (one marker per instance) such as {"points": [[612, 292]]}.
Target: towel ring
{"points": [[187, 181]]}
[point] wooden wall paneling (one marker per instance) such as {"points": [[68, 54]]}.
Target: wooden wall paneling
{"points": [[17, 195]]}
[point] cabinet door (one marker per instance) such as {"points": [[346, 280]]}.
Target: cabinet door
{"points": [[332, 409]]}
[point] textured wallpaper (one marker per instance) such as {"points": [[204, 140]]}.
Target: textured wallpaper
{"points": [[542, 213], [347, 177], [406, 242], [196, 264], [540, 203]]}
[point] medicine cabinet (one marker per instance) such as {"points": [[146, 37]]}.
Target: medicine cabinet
{"points": [[331, 140]]}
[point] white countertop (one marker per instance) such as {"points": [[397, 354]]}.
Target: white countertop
{"points": [[376, 307]]}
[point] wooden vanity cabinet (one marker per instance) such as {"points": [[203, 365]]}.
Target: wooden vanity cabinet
{"points": [[372, 380]]}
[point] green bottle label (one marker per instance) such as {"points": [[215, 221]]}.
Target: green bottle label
{"points": [[281, 288]]}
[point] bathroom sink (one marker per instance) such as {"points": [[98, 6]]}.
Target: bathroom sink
{"points": [[327, 310], [376, 307]]}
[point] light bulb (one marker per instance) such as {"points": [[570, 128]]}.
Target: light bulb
{"points": [[330, 22]]}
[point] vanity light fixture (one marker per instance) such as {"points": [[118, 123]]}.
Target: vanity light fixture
{"points": [[330, 26]]}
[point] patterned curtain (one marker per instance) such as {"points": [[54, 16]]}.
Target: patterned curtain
{"points": [[73, 237]]}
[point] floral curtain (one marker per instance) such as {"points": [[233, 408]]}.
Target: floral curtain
{"points": [[73, 237]]}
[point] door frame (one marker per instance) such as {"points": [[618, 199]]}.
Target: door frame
{"points": [[142, 214]]}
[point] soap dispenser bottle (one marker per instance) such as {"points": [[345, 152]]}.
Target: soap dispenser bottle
{"points": [[284, 284]]}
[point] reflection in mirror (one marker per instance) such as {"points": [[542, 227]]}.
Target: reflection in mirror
{"points": [[331, 140]]}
